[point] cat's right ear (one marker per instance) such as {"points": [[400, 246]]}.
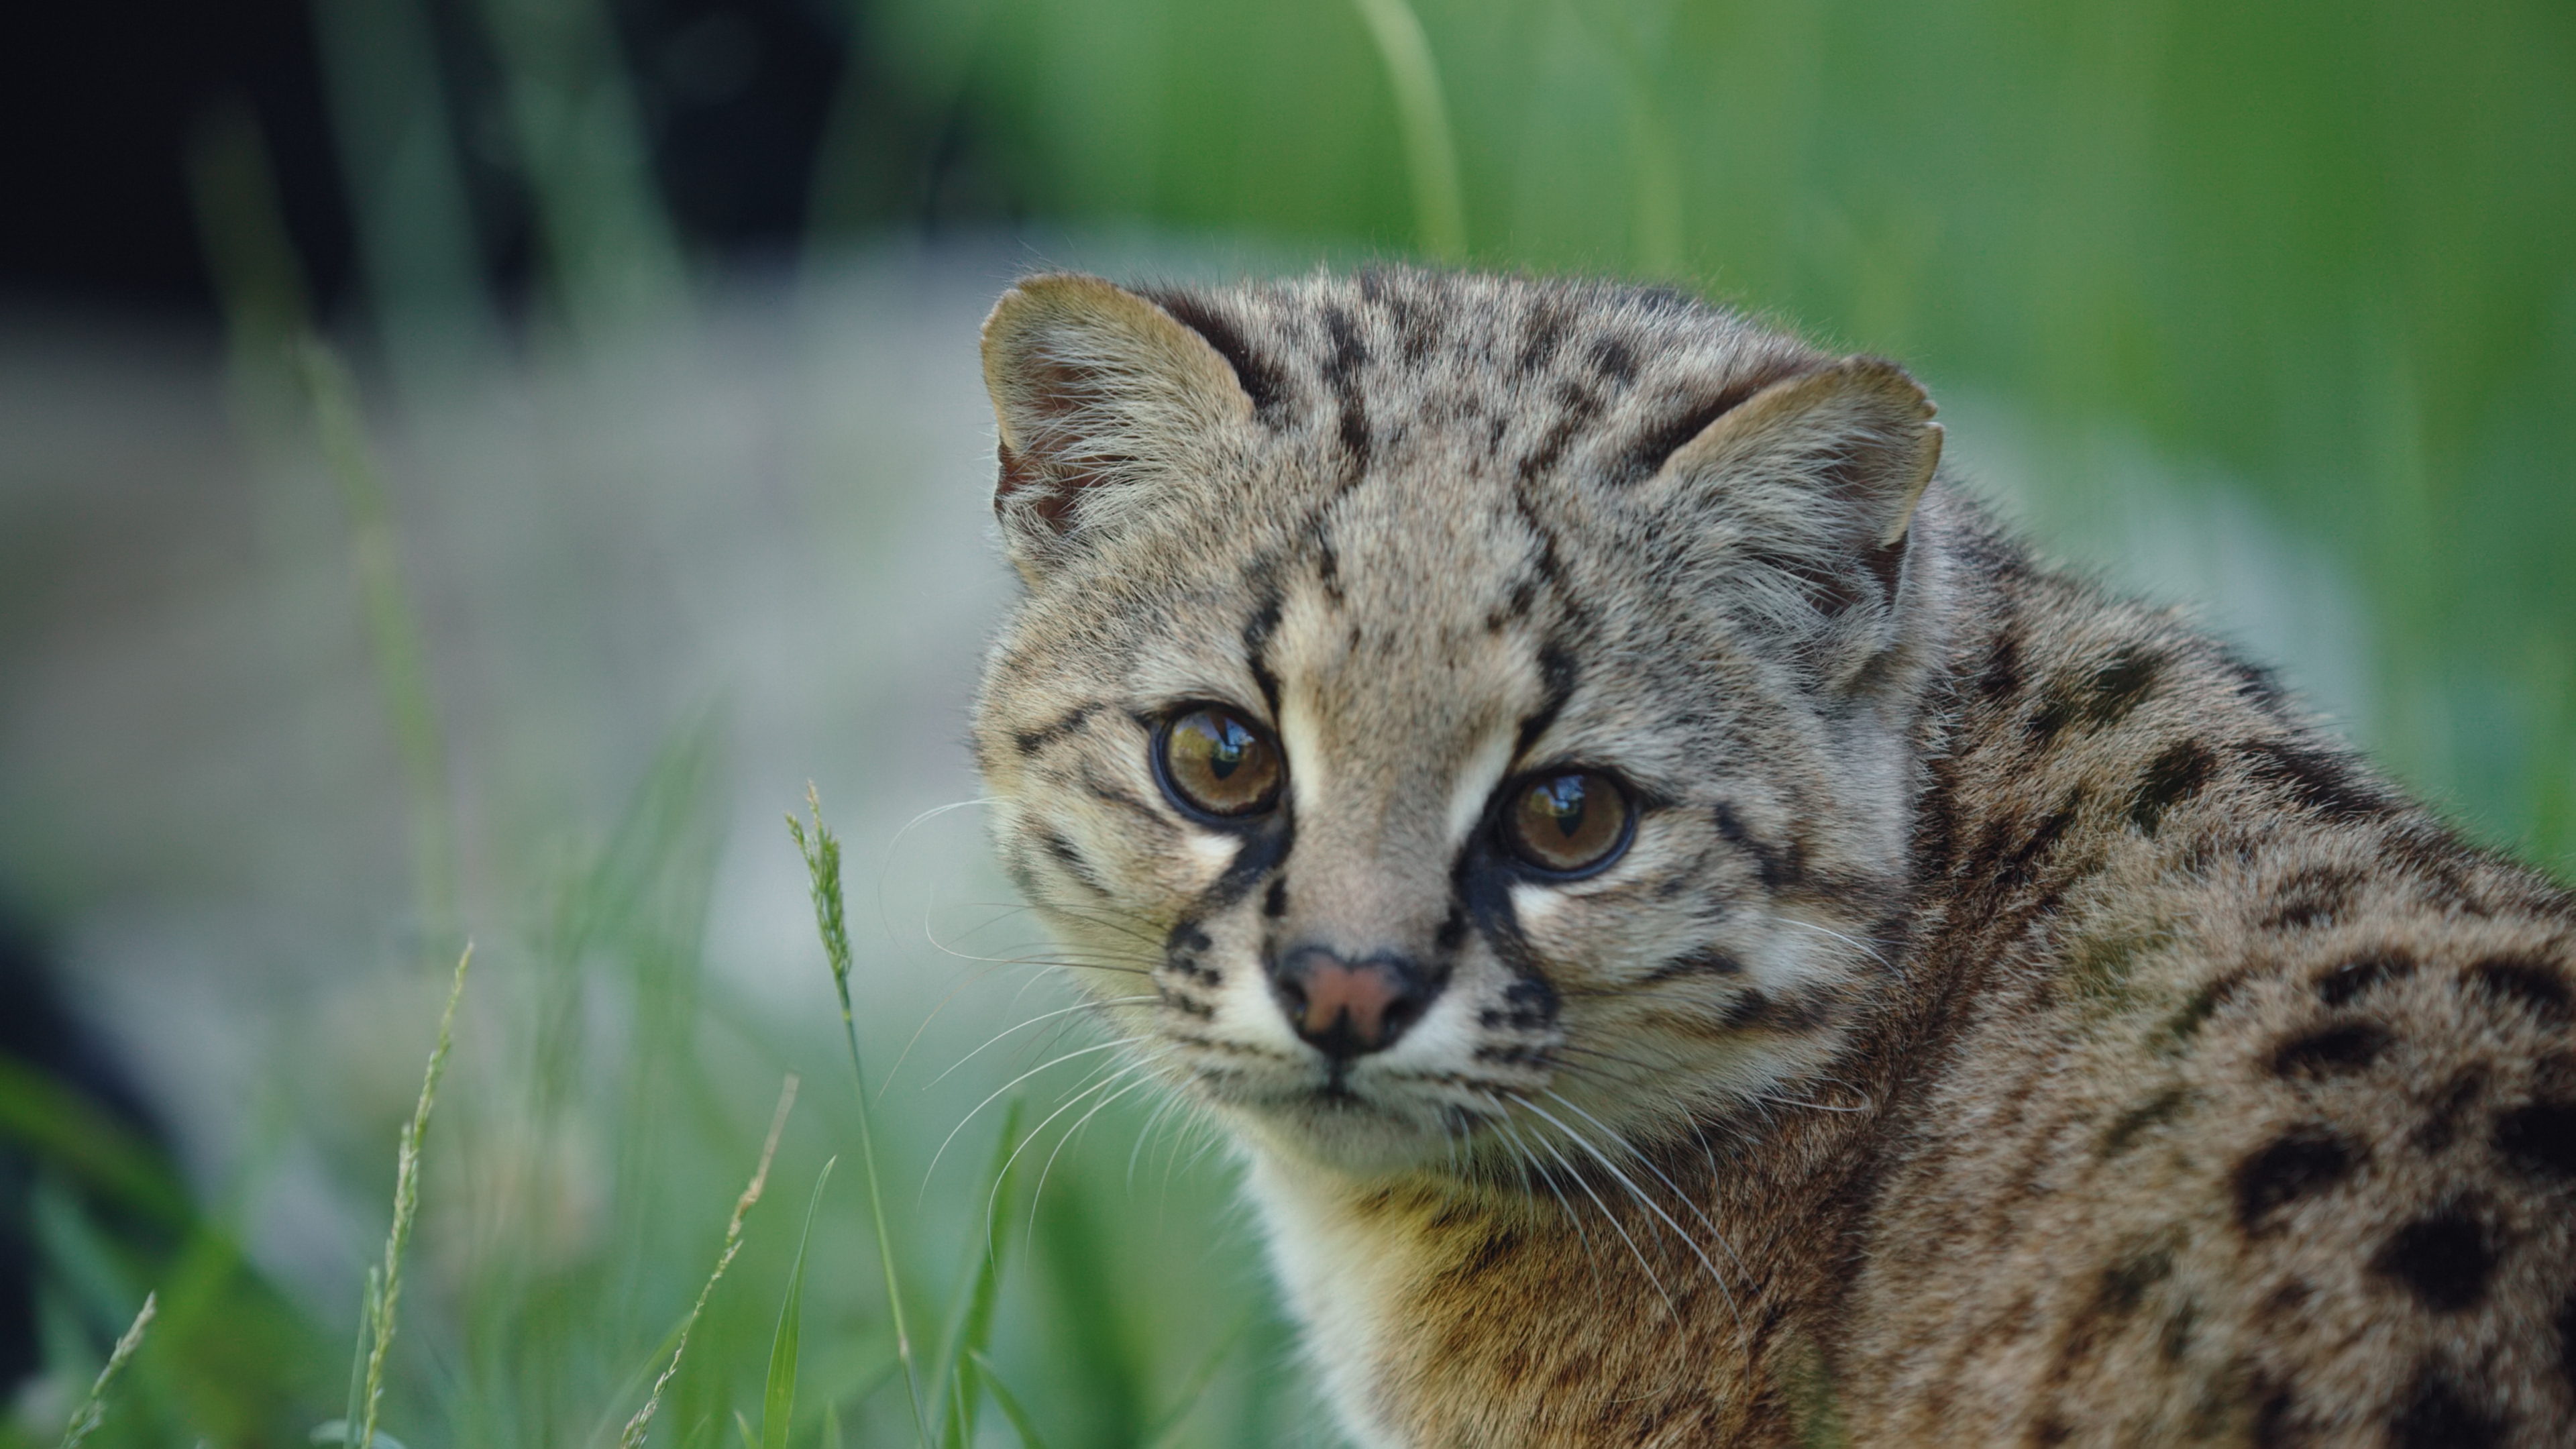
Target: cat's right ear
{"points": [[1096, 389]]}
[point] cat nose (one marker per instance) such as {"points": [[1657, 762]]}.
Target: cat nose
{"points": [[1345, 1009]]}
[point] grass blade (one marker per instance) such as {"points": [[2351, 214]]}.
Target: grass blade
{"points": [[822, 852], [642, 1423], [406, 1209], [975, 1324], [778, 1404], [1430, 153], [1021, 1423], [93, 1410], [1196, 1385]]}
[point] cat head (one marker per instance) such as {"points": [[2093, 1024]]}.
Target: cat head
{"points": [[1452, 720]]}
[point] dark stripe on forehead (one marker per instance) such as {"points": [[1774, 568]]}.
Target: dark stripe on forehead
{"points": [[1342, 375], [1257, 629], [1558, 675]]}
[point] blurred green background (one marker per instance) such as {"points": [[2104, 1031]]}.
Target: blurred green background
{"points": [[643, 479]]}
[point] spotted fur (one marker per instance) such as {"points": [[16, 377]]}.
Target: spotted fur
{"points": [[2012, 1021]]}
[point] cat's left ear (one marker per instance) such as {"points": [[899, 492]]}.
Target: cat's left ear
{"points": [[1095, 389], [1809, 488]]}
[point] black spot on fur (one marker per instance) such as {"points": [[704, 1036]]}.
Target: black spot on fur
{"points": [[2197, 1010], [1615, 360], [2001, 675], [2004, 859], [2517, 979], [2255, 684], [1707, 961], [2171, 777], [1260, 377], [1576, 408], [2276, 1416], [1342, 375], [1546, 330], [2330, 1051], [2298, 1164], [1274, 902], [2126, 1283], [2437, 1414], [2444, 1260], [2319, 780], [2540, 1138], [2103, 697], [2314, 896], [2161, 1108], [1757, 1010], [2360, 974]]}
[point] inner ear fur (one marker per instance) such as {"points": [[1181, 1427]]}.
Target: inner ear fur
{"points": [[1092, 387], [1818, 475]]}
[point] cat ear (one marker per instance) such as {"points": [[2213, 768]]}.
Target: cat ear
{"points": [[1809, 487], [1094, 387]]}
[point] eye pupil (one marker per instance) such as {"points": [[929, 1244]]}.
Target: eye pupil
{"points": [[1570, 822], [1210, 761]]}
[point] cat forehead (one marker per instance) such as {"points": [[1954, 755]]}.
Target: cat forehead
{"points": [[1399, 368]]}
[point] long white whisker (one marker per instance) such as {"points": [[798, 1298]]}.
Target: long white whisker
{"points": [[1678, 1194], [1032, 1021], [1067, 1140], [1031, 1136], [1608, 1216], [1006, 1086]]}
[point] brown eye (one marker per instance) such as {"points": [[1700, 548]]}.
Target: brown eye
{"points": [[1214, 763], [1567, 823]]}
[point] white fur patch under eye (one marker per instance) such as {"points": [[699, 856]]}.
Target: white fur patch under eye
{"points": [[1476, 780], [1305, 752], [1533, 904], [1212, 853]]}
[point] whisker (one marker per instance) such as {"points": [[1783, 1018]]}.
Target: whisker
{"points": [[1608, 1216], [1032, 1021], [1646, 1202], [1006, 1086], [1029, 1242], [1679, 1195], [1030, 1137]]}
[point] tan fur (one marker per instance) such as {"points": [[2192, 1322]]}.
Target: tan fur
{"points": [[2010, 1022]]}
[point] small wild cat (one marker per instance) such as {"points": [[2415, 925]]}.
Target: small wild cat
{"points": [[1702, 941]]}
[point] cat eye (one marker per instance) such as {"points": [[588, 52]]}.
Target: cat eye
{"points": [[1213, 762], [1568, 823]]}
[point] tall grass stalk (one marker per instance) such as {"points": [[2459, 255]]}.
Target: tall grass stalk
{"points": [[392, 630], [1430, 152], [93, 1410], [381, 1304], [642, 1423], [822, 852]]}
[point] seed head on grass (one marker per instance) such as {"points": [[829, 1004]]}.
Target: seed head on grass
{"points": [[642, 1423], [386, 1290], [93, 1410], [822, 852]]}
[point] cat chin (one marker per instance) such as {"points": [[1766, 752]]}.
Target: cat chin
{"points": [[1351, 1136]]}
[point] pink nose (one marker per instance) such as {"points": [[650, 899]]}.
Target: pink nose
{"points": [[1344, 1010]]}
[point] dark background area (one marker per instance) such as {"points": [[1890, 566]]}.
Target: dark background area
{"points": [[99, 103]]}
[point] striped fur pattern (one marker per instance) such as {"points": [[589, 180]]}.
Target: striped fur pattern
{"points": [[2010, 1021]]}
